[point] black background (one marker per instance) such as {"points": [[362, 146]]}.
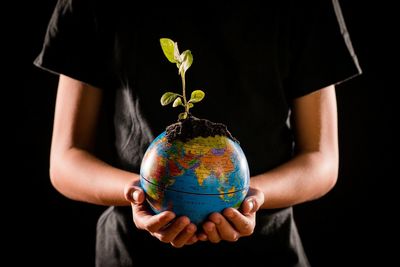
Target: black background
{"points": [[352, 225]]}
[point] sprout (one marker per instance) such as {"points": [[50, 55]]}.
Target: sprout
{"points": [[183, 62]]}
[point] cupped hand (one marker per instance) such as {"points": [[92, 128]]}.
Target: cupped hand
{"points": [[164, 226], [232, 223]]}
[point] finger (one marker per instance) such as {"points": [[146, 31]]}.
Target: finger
{"points": [[211, 232], [154, 223], [192, 240], [252, 202], [184, 236], [168, 234], [224, 228], [134, 194], [244, 225], [201, 236], [143, 212], [249, 206]]}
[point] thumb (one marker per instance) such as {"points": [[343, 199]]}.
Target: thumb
{"points": [[253, 201], [134, 194], [249, 205]]}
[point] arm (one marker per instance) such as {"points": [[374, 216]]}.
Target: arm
{"points": [[310, 174], [78, 174], [74, 171], [313, 171]]}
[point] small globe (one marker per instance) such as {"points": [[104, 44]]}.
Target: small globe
{"points": [[196, 177]]}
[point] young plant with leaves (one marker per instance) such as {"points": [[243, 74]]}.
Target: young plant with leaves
{"points": [[183, 62]]}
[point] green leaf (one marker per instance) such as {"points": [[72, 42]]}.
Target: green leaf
{"points": [[182, 116], [190, 105], [168, 97], [187, 60], [168, 47], [196, 96], [177, 102]]}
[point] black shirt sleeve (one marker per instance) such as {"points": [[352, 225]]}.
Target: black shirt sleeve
{"points": [[75, 45], [321, 53]]}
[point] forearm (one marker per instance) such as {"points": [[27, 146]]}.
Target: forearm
{"points": [[79, 175], [305, 177]]}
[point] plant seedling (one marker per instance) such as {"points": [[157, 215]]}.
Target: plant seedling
{"points": [[183, 62]]}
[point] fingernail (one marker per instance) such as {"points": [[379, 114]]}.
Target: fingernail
{"points": [[183, 223], [135, 196], [210, 228], [251, 205], [191, 229]]}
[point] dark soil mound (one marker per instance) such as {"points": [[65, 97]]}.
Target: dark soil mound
{"points": [[192, 127]]}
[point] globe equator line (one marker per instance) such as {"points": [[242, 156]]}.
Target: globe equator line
{"points": [[194, 193]]}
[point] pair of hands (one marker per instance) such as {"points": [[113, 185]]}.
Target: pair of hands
{"points": [[229, 225]]}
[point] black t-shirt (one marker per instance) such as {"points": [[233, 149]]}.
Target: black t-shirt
{"points": [[251, 59]]}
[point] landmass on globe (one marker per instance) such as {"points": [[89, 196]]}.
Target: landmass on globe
{"points": [[195, 167]]}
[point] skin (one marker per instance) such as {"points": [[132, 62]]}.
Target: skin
{"points": [[78, 174]]}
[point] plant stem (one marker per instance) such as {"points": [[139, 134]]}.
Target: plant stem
{"points": [[184, 93]]}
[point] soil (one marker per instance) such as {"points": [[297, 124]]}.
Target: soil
{"points": [[192, 127]]}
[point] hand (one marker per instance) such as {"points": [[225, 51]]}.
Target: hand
{"points": [[232, 223], [178, 232]]}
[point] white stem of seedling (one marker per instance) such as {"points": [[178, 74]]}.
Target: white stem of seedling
{"points": [[185, 103]]}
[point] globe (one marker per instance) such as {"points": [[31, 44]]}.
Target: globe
{"points": [[196, 177]]}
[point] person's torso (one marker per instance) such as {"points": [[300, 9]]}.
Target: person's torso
{"points": [[237, 60]]}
